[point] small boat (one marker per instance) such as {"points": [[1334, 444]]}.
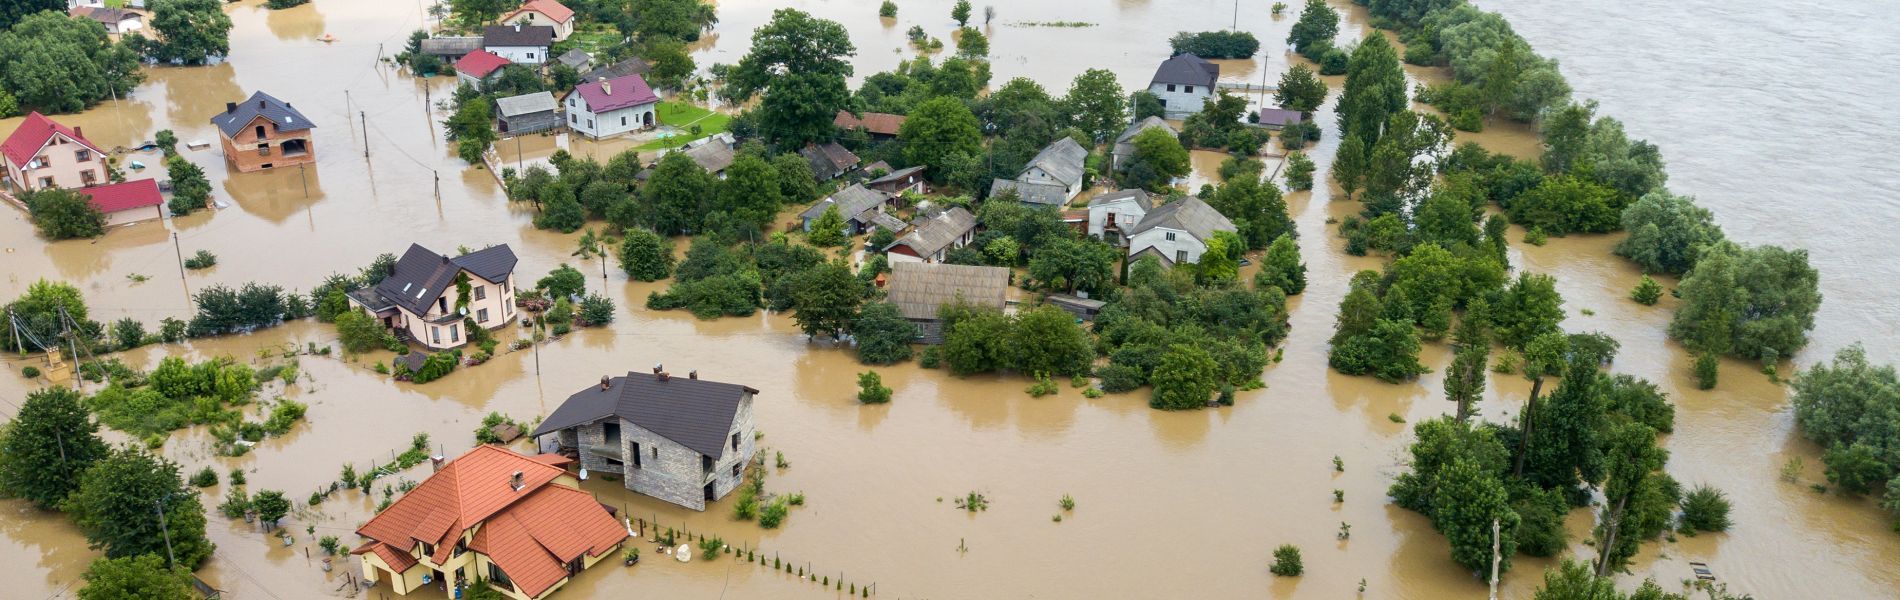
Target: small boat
{"points": [[136, 165], [327, 38]]}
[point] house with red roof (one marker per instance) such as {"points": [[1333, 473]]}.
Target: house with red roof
{"points": [[127, 202], [519, 524], [543, 12], [43, 154], [479, 67], [610, 107]]}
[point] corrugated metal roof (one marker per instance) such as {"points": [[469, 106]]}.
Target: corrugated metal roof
{"points": [[852, 201], [1188, 214], [1031, 192], [1063, 159], [919, 289], [515, 106]]}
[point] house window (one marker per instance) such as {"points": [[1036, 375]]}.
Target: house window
{"points": [[1180, 256], [435, 333], [455, 333], [481, 315], [590, 123], [705, 464], [1170, 87], [497, 577], [39, 162], [82, 155], [1190, 89], [735, 469], [504, 287], [481, 292], [428, 549], [573, 119], [260, 131], [88, 177], [636, 455], [46, 182], [1170, 236], [735, 442], [623, 120], [575, 566], [654, 453]]}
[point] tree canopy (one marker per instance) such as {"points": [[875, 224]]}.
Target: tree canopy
{"points": [[190, 31], [114, 508], [143, 576], [1754, 302], [798, 61], [64, 214], [47, 446], [56, 64], [1667, 232]]}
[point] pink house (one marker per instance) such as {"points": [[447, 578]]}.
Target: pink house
{"points": [[546, 13], [43, 154]]}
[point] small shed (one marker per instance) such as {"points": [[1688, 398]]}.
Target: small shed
{"points": [[527, 113], [1082, 308], [1278, 118], [451, 48], [576, 59], [920, 289]]}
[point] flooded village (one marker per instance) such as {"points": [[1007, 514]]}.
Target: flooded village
{"points": [[601, 298]]}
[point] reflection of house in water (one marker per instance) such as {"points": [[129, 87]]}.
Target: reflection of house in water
{"points": [[431, 297], [263, 132], [684, 440], [276, 195]]}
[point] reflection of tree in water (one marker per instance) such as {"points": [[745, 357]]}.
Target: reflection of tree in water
{"points": [[275, 194], [295, 23], [62, 550], [193, 95]]}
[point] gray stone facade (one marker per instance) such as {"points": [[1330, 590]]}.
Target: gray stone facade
{"points": [[664, 468]]}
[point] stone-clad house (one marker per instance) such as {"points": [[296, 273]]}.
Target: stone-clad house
{"points": [[684, 440]]}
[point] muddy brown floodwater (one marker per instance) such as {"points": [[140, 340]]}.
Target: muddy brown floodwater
{"points": [[1168, 504]]}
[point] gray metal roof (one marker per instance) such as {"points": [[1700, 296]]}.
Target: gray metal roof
{"points": [[919, 289], [1139, 195], [1187, 69], [1063, 159], [877, 216], [1188, 214], [576, 58], [1128, 135], [260, 104], [452, 46], [894, 175], [935, 233], [851, 201], [517, 35], [515, 106], [631, 66], [1030, 192], [713, 157], [696, 413]]}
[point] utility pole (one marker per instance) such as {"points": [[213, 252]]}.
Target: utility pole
{"points": [[180, 253], [159, 506], [65, 323], [365, 118], [1495, 559]]}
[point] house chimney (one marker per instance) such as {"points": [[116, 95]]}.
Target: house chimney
{"points": [[663, 375], [230, 107], [260, 104], [693, 374], [78, 132], [515, 481], [657, 367], [517, 28], [605, 383], [605, 87]]}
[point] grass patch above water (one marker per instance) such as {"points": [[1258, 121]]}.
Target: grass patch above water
{"points": [[685, 116]]}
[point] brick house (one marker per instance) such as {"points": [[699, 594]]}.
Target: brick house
{"points": [[43, 154], [423, 298], [684, 440], [263, 132], [518, 524]]}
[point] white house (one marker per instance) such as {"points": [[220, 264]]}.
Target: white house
{"points": [[543, 12], [1113, 214], [118, 21], [1176, 232], [611, 107], [1183, 84], [520, 44]]}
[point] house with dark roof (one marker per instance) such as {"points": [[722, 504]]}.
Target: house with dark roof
{"points": [[479, 67], [1114, 213], [543, 12], [934, 236], [1176, 232], [127, 202], [1278, 118], [1124, 149], [432, 298], [713, 154], [1053, 177], [1184, 83], [609, 107], [920, 289], [907, 179], [576, 59], [684, 440], [829, 160], [631, 66], [880, 126], [861, 207], [44, 155], [526, 113], [515, 523], [451, 48], [1034, 194], [520, 44], [263, 132]]}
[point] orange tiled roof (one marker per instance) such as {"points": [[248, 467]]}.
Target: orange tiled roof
{"points": [[533, 540], [396, 559], [556, 11]]}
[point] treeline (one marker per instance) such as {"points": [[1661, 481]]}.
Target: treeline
{"points": [[1215, 44], [58, 64]]}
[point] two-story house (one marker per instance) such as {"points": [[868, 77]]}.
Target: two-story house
{"points": [[520, 44], [263, 132], [933, 237], [43, 155], [432, 298], [1113, 214], [684, 440], [543, 12], [518, 524], [1176, 232], [609, 107], [1052, 178], [1184, 83], [478, 68]]}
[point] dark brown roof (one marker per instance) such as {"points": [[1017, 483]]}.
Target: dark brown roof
{"points": [[1187, 69], [696, 413], [517, 35], [829, 160]]}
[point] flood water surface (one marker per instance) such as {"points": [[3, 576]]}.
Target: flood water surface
{"points": [[1167, 504]]}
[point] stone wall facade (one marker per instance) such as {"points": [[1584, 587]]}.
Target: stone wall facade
{"points": [[665, 469]]}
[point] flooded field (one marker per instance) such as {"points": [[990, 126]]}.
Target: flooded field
{"points": [[1168, 504]]}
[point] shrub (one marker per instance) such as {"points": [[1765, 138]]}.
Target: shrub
{"points": [[888, 10], [1707, 367], [205, 477], [236, 476], [236, 503], [871, 389], [1286, 561], [330, 544], [1216, 44], [931, 358], [773, 514], [1044, 386], [204, 259], [30, 372], [1067, 502], [596, 310], [1704, 508], [1647, 292], [1299, 171], [64, 214]]}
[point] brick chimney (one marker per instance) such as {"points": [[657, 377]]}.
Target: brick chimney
{"points": [[514, 481], [77, 132], [230, 107], [657, 367], [693, 374], [606, 87], [659, 372]]}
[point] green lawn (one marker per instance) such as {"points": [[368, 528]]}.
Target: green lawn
{"points": [[685, 117]]}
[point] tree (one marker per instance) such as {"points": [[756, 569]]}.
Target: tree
{"points": [[1300, 90], [1647, 292], [1070, 264], [1375, 90], [1282, 267], [1752, 302], [1529, 308], [1637, 500], [1464, 382], [471, 129], [64, 214], [938, 129], [1215, 44], [1185, 379], [795, 180], [1564, 447], [961, 13], [750, 192], [1256, 208], [142, 576], [1349, 165], [358, 332], [672, 199], [560, 210], [646, 256], [799, 62], [888, 10], [47, 446], [883, 334], [1566, 204], [976, 340], [117, 498], [1471, 498], [563, 281], [1312, 35], [826, 297], [1667, 232], [671, 64], [1705, 508], [272, 506], [678, 19], [1145, 104], [1095, 104], [1049, 342], [871, 389], [1286, 561], [1160, 153], [39, 309], [190, 30], [57, 64], [191, 190], [971, 44]]}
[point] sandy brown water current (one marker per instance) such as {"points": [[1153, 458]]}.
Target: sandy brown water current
{"points": [[1168, 504]]}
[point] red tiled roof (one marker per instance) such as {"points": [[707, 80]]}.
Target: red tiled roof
{"points": [[617, 93], [33, 134], [466, 491], [480, 63], [124, 196], [533, 540], [551, 459], [396, 559], [554, 10], [878, 123]]}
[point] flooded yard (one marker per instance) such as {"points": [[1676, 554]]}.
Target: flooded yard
{"points": [[1167, 504]]}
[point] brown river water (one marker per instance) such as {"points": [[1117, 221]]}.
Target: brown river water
{"points": [[1168, 504]]}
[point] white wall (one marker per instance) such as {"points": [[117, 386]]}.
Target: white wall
{"points": [[1158, 239], [526, 18], [1181, 102], [1127, 214], [523, 55], [616, 122], [1036, 174]]}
